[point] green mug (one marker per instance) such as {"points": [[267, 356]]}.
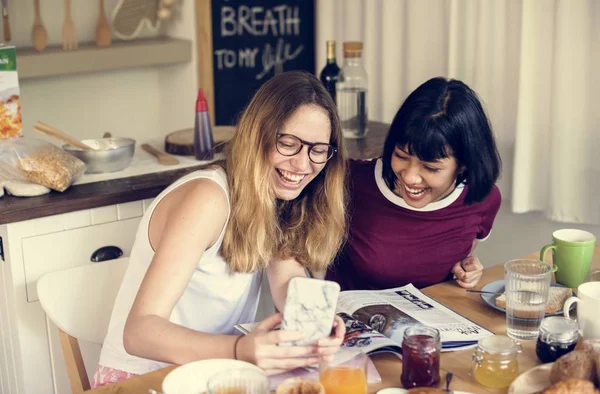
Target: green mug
{"points": [[572, 252]]}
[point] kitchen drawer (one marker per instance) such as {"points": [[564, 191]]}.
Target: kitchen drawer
{"points": [[66, 249]]}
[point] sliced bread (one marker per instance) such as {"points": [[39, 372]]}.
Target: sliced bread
{"points": [[556, 299]]}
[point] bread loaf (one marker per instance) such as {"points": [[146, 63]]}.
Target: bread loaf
{"points": [[556, 299]]}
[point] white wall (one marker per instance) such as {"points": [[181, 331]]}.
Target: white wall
{"points": [[141, 103]]}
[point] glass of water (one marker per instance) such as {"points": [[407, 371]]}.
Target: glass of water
{"points": [[527, 283]]}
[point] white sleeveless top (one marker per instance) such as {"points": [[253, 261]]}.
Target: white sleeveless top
{"points": [[214, 301]]}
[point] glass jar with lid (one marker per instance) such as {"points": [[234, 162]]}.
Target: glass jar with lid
{"points": [[558, 336], [421, 348], [495, 361]]}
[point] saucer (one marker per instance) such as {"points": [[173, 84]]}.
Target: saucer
{"points": [[498, 287], [192, 378]]}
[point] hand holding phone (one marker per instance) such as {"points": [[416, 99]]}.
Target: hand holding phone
{"points": [[310, 308]]}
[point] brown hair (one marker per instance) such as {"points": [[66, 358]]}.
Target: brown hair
{"points": [[310, 228]]}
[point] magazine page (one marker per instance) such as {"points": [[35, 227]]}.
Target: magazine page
{"points": [[391, 311], [359, 337]]}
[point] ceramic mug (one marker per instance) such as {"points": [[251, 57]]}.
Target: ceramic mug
{"points": [[588, 300], [572, 255]]}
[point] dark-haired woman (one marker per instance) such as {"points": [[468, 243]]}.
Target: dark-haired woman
{"points": [[418, 212]]}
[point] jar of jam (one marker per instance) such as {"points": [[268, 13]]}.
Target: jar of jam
{"points": [[421, 348], [558, 336], [495, 361]]}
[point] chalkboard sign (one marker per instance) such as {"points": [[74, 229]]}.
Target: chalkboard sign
{"points": [[250, 42]]}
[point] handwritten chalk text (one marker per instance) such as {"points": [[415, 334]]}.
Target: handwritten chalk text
{"points": [[281, 20]]}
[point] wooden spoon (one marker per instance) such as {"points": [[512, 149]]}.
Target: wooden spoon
{"points": [[103, 33], [43, 128], [163, 158], [69, 33], [39, 35]]}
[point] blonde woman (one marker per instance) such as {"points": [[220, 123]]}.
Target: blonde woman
{"points": [[276, 203]]}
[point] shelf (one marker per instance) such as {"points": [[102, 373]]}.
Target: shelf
{"points": [[53, 61]]}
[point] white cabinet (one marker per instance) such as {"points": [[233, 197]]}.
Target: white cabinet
{"points": [[30, 357]]}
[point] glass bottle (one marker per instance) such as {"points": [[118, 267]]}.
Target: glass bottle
{"points": [[351, 92], [329, 74], [558, 336], [203, 138], [495, 363], [421, 348]]}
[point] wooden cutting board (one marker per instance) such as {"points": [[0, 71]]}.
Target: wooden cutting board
{"points": [[181, 142]]}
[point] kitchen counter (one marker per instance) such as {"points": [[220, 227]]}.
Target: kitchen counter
{"points": [[140, 187]]}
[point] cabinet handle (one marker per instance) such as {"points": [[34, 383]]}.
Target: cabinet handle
{"points": [[106, 253]]}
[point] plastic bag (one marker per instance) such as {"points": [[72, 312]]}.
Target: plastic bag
{"points": [[38, 162]]}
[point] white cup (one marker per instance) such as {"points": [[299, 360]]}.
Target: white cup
{"points": [[588, 309]]}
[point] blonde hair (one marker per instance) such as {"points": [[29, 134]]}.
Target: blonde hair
{"points": [[310, 228]]}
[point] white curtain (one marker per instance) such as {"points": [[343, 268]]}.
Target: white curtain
{"points": [[508, 52], [558, 122]]}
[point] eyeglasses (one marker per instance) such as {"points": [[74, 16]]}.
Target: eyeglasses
{"points": [[290, 145]]}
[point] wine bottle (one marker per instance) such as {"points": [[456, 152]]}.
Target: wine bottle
{"points": [[329, 74]]}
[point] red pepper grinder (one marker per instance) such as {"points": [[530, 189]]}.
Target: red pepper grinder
{"points": [[203, 137]]}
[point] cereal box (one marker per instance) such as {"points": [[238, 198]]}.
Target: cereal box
{"points": [[10, 101]]}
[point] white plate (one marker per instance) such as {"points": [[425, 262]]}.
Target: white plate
{"points": [[192, 378], [398, 390], [532, 381]]}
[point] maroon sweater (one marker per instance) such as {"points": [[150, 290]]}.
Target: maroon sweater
{"points": [[391, 244]]}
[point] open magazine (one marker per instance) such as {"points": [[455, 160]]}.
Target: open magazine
{"points": [[376, 320]]}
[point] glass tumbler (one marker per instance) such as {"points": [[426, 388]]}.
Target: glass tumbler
{"points": [[349, 377], [527, 283], [238, 381]]}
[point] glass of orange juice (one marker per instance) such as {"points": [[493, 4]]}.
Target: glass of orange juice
{"points": [[348, 377]]}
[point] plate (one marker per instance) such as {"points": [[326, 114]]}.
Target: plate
{"points": [[398, 390], [192, 378], [532, 381], [498, 287]]}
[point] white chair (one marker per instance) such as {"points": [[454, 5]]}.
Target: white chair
{"points": [[79, 301]]}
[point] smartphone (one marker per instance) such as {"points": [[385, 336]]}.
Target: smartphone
{"points": [[310, 308]]}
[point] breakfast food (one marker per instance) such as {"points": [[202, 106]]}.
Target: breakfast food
{"points": [[10, 117], [50, 166], [577, 364], [571, 386], [300, 386], [556, 299]]}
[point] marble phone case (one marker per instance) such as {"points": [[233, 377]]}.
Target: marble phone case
{"points": [[310, 307]]}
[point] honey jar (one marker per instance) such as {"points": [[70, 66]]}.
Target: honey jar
{"points": [[495, 361]]}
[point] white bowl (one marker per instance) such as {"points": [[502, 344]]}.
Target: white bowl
{"points": [[192, 378]]}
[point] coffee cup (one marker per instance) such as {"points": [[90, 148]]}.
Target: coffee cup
{"points": [[588, 307], [572, 252]]}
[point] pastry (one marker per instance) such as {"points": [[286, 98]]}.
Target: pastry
{"points": [[300, 386], [576, 364], [571, 386]]}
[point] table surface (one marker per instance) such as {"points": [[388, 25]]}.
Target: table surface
{"points": [[389, 366]]}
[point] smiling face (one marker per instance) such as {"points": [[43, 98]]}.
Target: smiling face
{"points": [[291, 174], [419, 182]]}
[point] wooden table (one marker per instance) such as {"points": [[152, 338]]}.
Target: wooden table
{"points": [[388, 365]]}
